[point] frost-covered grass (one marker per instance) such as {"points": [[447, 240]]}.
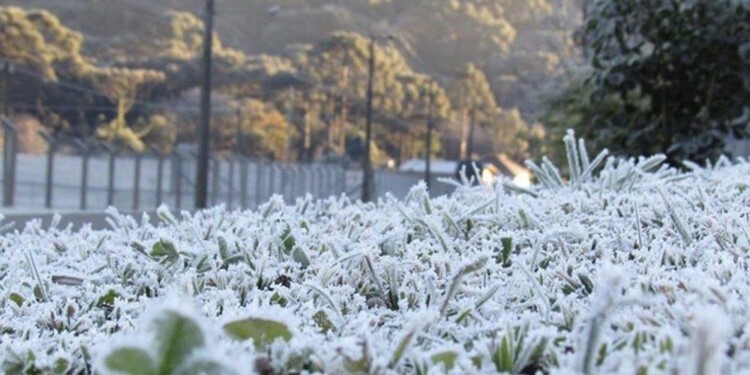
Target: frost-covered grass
{"points": [[625, 267]]}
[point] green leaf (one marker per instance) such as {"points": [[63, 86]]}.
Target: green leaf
{"points": [[447, 358], [61, 366], [321, 320], [164, 248], [427, 205], [203, 367], [177, 336], [475, 266], [107, 299], [223, 248], [17, 299], [602, 354], [300, 257], [288, 240], [261, 331], [130, 361], [404, 344], [138, 247], [477, 361], [506, 356], [507, 247], [588, 285], [166, 251], [38, 293], [203, 265], [361, 366], [12, 364]]}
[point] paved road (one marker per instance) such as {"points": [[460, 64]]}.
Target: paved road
{"points": [[78, 219]]}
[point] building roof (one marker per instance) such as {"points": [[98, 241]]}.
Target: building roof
{"points": [[497, 164], [505, 165], [438, 166]]}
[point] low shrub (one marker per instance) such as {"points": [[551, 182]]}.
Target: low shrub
{"points": [[627, 267]]}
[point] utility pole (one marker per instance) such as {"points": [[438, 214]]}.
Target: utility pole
{"points": [[367, 184], [238, 142], [289, 114], [464, 129], [427, 170], [344, 105], [201, 188], [472, 125], [6, 67]]}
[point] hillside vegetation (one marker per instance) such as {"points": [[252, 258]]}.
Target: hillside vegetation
{"points": [[127, 70]]}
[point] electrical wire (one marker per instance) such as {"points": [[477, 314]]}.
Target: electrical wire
{"points": [[160, 11], [142, 103]]}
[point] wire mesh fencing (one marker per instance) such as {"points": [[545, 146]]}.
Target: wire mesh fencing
{"points": [[74, 175], [77, 176]]}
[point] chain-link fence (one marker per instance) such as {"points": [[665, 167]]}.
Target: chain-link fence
{"points": [[74, 175]]}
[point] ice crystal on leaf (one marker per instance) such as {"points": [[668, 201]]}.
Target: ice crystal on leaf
{"points": [[617, 266]]}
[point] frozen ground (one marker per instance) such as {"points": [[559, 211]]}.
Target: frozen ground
{"points": [[627, 267]]}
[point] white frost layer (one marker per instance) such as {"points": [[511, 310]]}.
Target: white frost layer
{"points": [[619, 272]]}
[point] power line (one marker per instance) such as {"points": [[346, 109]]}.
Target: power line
{"points": [[86, 90], [329, 89], [160, 11], [334, 91], [79, 107], [298, 77], [148, 6]]}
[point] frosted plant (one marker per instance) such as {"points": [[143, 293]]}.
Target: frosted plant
{"points": [[175, 349], [708, 341], [601, 271]]}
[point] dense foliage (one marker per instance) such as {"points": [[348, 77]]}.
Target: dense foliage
{"points": [[126, 71], [626, 267], [666, 76]]}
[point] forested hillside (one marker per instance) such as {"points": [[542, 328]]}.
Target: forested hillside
{"points": [[291, 74]]}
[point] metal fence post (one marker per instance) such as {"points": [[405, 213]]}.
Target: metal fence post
{"points": [[310, 180], [342, 179], [177, 178], [215, 175], [159, 174], [321, 181], [10, 150], [293, 182], [258, 176], [137, 179], [230, 182], [271, 176], [243, 182], [289, 184], [307, 186], [301, 187], [85, 153], [284, 183], [51, 143], [112, 153], [48, 181], [325, 180], [329, 182]]}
